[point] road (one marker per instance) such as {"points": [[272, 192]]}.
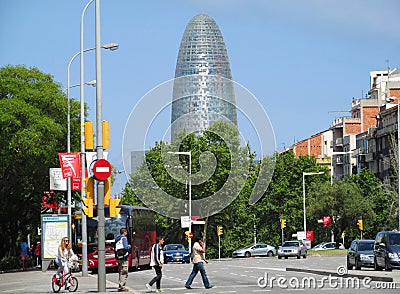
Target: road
{"points": [[244, 275], [251, 275]]}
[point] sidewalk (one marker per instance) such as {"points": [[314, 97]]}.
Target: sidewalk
{"points": [[40, 282]]}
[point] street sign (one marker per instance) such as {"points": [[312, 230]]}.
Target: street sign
{"points": [[101, 169], [190, 235]]}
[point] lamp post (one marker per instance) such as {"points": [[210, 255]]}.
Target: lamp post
{"points": [[111, 46], [391, 99], [304, 196], [189, 153], [336, 153]]}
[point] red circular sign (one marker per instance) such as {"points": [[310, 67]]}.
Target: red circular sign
{"points": [[190, 235], [101, 169]]}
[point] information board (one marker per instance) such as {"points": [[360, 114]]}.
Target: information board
{"points": [[54, 228]]}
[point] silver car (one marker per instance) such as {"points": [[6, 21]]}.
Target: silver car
{"points": [[292, 248], [255, 250]]}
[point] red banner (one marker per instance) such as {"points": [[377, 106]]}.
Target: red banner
{"points": [[70, 166]]}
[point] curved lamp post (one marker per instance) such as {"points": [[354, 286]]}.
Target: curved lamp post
{"points": [[304, 196]]}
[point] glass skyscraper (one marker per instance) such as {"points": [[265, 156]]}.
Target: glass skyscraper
{"points": [[203, 89]]}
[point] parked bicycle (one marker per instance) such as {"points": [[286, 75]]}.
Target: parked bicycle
{"points": [[58, 282]]}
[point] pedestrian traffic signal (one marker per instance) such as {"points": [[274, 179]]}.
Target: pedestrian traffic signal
{"points": [[89, 139], [219, 230], [187, 235], [283, 223], [360, 224], [114, 211], [327, 221], [88, 210]]}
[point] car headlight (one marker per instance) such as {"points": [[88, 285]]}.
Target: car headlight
{"points": [[280, 250], [392, 255], [186, 254], [168, 254]]}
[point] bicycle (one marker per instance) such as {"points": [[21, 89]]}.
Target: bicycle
{"points": [[57, 283]]}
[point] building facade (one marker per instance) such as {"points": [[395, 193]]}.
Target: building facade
{"points": [[203, 90]]}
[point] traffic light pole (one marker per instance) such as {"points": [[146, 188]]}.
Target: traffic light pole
{"points": [[101, 282]]}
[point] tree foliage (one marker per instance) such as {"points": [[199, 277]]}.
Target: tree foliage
{"points": [[33, 122]]}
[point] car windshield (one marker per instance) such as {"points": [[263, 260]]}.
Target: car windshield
{"points": [[174, 247], [290, 244], [394, 239], [364, 246]]}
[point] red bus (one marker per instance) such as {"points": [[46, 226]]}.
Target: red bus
{"points": [[141, 236]]}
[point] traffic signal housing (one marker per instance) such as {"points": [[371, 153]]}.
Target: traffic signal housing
{"points": [[89, 188], [114, 211], [88, 210], [187, 233], [219, 230], [360, 224], [89, 138], [283, 223], [107, 191]]}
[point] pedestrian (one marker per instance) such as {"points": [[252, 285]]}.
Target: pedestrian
{"points": [[198, 251], [63, 254], [122, 249], [156, 261], [24, 253], [38, 253]]}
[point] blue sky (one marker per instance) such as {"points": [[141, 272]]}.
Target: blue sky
{"points": [[301, 59]]}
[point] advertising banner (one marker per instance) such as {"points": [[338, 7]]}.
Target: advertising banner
{"points": [[70, 165], [57, 182]]}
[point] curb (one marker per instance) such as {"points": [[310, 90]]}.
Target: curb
{"points": [[327, 273]]}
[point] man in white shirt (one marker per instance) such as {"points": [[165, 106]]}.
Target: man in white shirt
{"points": [[198, 251]]}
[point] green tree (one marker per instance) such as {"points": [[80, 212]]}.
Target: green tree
{"points": [[344, 202], [33, 122]]}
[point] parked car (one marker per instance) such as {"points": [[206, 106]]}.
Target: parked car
{"points": [[255, 250], [387, 250], [360, 254], [176, 253], [292, 248], [110, 260], [327, 246]]}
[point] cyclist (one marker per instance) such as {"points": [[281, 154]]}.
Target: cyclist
{"points": [[64, 253]]}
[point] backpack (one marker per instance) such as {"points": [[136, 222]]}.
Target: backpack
{"points": [[120, 251]]}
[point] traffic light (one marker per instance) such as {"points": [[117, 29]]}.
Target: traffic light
{"points": [[360, 224], [219, 230], [283, 223], [88, 210], [106, 134], [187, 235], [89, 188], [89, 139], [114, 211], [107, 191]]}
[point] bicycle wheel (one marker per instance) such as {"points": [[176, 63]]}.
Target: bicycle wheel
{"points": [[55, 284], [73, 284]]}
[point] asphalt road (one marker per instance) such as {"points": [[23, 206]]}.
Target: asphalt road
{"points": [[253, 275], [244, 275]]}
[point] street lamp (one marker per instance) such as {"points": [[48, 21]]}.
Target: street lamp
{"points": [[112, 47], [390, 99], [336, 153], [189, 153], [304, 196]]}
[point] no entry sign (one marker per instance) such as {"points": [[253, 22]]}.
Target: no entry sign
{"points": [[101, 170]]}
